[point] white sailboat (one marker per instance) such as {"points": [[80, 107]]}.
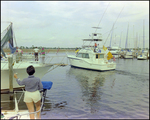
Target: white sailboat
{"points": [[18, 67], [127, 53], [143, 55], [115, 51], [92, 58], [25, 114]]}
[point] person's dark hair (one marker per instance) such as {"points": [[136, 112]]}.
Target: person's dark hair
{"points": [[30, 70]]}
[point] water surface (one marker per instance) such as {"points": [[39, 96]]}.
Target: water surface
{"points": [[79, 93]]}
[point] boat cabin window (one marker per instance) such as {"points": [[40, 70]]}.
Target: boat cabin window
{"points": [[83, 55], [101, 55], [79, 55], [98, 56]]}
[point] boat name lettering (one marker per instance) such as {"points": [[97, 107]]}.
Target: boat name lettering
{"points": [[110, 66]]}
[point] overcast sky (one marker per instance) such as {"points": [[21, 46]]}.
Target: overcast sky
{"points": [[66, 23]]}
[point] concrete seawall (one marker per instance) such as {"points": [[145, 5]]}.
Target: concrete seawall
{"points": [[46, 50]]}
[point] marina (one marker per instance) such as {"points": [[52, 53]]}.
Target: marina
{"points": [[85, 94], [83, 77], [44, 76]]}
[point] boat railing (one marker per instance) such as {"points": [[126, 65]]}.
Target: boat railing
{"points": [[6, 63], [50, 59], [18, 116]]}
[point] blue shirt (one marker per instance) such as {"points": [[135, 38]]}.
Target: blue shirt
{"points": [[31, 83]]}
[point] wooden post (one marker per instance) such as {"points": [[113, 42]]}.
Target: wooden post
{"points": [[10, 66], [17, 58]]}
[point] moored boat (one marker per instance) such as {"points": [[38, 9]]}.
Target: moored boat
{"points": [[19, 66], [128, 54], [25, 114], [20, 69], [144, 53], [115, 51], [141, 57]]}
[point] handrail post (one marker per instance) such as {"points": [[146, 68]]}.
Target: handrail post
{"points": [[10, 66]]}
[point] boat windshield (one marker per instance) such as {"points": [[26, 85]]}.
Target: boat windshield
{"points": [[83, 55]]}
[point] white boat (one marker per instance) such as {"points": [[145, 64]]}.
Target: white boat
{"points": [[18, 67], [142, 57], [128, 54], [144, 53], [90, 58], [115, 51]]}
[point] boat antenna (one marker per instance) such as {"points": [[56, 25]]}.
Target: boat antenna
{"points": [[101, 19], [114, 24], [109, 30]]}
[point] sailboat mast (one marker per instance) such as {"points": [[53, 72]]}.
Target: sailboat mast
{"points": [[143, 36], [120, 40], [136, 43], [133, 36], [126, 45], [111, 35]]}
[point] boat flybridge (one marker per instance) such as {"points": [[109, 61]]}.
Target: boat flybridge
{"points": [[92, 57]]}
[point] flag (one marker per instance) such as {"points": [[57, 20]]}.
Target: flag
{"points": [[104, 48], [109, 55], [114, 58], [76, 50], [57, 50], [48, 51]]}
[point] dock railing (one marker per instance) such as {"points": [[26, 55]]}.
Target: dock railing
{"points": [[18, 116]]}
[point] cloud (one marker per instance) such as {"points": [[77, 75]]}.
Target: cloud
{"points": [[71, 21]]}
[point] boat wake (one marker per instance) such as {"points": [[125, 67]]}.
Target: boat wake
{"points": [[134, 75]]}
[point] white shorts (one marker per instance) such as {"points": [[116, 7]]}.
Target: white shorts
{"points": [[32, 96]]}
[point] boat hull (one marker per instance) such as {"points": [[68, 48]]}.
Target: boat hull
{"points": [[141, 57], [9, 113], [117, 56], [40, 71], [86, 65], [128, 57]]}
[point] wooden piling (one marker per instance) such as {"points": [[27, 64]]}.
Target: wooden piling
{"points": [[17, 58], [10, 66]]}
